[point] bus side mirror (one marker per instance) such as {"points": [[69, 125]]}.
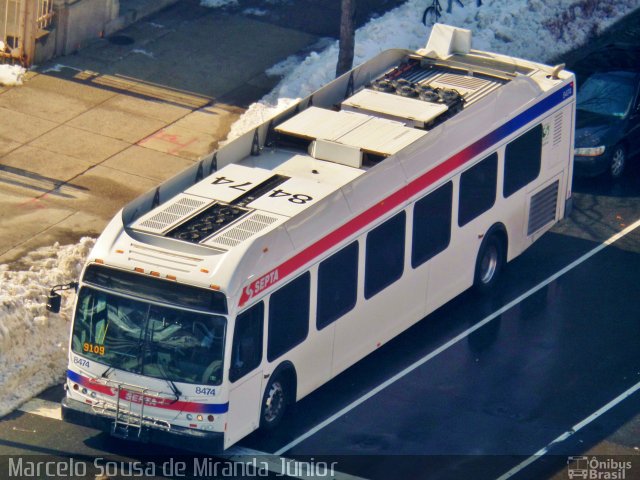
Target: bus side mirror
{"points": [[54, 299], [53, 302]]}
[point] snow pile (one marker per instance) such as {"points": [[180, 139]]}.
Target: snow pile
{"points": [[539, 30], [534, 29], [33, 342], [11, 74]]}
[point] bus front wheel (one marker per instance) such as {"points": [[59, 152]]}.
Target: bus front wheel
{"points": [[489, 263], [274, 403]]}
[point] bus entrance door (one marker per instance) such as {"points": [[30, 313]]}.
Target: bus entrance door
{"points": [[244, 407]]}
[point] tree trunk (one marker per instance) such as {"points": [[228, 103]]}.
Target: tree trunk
{"points": [[347, 37]]}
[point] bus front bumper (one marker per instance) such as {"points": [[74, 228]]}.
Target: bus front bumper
{"points": [[182, 438]]}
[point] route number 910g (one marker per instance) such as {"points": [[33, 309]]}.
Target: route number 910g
{"points": [[91, 348]]}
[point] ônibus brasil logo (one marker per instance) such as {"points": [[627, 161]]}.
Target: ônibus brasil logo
{"points": [[597, 468]]}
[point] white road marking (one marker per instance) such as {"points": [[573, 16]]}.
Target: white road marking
{"points": [[43, 408], [543, 451], [275, 463], [456, 339]]}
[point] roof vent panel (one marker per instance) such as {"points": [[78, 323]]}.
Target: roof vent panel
{"points": [[251, 226], [162, 219]]}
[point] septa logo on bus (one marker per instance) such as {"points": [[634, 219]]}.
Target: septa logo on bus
{"points": [[259, 285]]}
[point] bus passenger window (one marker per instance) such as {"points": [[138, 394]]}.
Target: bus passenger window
{"points": [[384, 262], [522, 161], [478, 189], [288, 316], [337, 285], [247, 342], [431, 225]]}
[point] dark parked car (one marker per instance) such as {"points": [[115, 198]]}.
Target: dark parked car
{"points": [[608, 111], [607, 123]]}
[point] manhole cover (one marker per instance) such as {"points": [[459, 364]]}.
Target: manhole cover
{"points": [[120, 39]]}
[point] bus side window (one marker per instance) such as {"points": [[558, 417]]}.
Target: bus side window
{"points": [[384, 259], [522, 160], [337, 285], [288, 316], [478, 189], [431, 225], [247, 342]]}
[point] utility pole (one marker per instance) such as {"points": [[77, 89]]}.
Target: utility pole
{"points": [[347, 37]]}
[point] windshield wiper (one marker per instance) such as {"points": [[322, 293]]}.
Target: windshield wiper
{"points": [[107, 372], [174, 387]]}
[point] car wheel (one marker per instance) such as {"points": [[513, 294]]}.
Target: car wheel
{"points": [[618, 162], [489, 263], [274, 403]]}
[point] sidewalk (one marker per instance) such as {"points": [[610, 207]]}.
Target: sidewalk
{"points": [[78, 143], [92, 131]]}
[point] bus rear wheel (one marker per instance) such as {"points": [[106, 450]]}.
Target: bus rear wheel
{"points": [[274, 403], [489, 263]]}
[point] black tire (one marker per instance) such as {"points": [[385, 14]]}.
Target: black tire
{"points": [[618, 162], [274, 402], [489, 263]]}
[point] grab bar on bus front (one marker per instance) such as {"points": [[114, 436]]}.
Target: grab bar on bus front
{"points": [[109, 410]]}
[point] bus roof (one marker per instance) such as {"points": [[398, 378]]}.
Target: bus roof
{"points": [[303, 174]]}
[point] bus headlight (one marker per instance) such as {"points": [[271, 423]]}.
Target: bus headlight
{"points": [[189, 416], [200, 418], [589, 152]]}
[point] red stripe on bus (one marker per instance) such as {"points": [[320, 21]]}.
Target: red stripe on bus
{"points": [[358, 223], [403, 194], [149, 401]]}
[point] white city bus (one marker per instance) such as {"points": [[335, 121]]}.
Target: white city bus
{"points": [[248, 281]]}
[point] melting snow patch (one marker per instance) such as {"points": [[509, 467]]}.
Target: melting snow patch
{"points": [[58, 68], [11, 74], [142, 52], [217, 3], [256, 12], [284, 67], [33, 342]]}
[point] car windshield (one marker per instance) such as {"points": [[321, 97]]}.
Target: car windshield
{"points": [[607, 94], [140, 337]]}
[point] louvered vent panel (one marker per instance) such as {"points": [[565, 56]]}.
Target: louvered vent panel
{"points": [[175, 212], [557, 129], [244, 230], [543, 208], [468, 83], [224, 242], [144, 254]]}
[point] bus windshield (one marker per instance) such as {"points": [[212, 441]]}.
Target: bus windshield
{"points": [[140, 337]]}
